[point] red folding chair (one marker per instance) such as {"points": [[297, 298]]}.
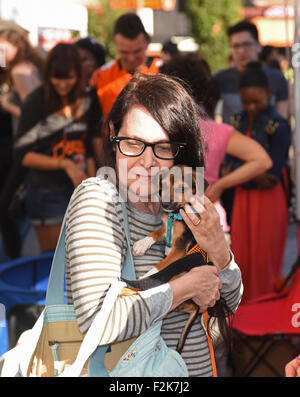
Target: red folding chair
{"points": [[267, 332]]}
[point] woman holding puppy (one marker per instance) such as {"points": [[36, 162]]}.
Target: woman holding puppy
{"points": [[153, 124]]}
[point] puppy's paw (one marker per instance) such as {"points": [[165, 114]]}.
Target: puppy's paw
{"points": [[141, 246]]}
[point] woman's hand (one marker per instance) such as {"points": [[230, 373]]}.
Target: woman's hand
{"points": [[206, 285], [201, 284], [207, 229], [73, 171], [214, 191], [5, 100], [8, 106], [265, 181]]}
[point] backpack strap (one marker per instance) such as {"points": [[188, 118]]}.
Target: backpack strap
{"points": [[55, 296], [96, 361], [128, 271]]}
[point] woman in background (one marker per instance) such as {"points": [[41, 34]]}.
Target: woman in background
{"points": [[20, 75], [260, 210], [219, 139], [58, 122], [23, 68], [92, 56]]}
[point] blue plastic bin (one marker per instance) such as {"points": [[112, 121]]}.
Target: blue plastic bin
{"points": [[23, 280]]}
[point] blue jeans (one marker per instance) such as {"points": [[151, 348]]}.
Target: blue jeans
{"points": [[47, 205]]}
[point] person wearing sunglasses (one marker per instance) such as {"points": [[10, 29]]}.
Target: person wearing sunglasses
{"points": [[153, 124]]}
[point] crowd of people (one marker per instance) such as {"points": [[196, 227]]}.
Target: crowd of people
{"points": [[66, 115]]}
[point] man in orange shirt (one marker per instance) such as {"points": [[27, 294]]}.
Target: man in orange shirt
{"points": [[131, 41]]}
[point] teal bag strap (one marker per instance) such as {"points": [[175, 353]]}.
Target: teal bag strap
{"points": [[128, 267], [96, 361], [55, 290]]}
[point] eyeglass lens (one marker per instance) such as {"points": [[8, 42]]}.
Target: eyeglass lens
{"points": [[246, 44], [132, 147]]}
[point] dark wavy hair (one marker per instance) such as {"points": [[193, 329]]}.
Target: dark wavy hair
{"points": [[25, 52], [253, 76], [93, 47], [60, 61], [244, 26], [130, 26], [170, 104], [195, 71]]}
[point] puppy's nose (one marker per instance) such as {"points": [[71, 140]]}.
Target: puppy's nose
{"points": [[170, 206]]}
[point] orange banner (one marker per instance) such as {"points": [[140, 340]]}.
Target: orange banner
{"points": [[276, 32], [167, 5]]}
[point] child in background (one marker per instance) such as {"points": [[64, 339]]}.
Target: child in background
{"points": [[260, 211], [220, 139]]}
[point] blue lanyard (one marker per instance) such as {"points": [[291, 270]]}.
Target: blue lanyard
{"points": [[171, 218]]}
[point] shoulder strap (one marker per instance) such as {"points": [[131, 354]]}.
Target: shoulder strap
{"points": [[55, 291], [55, 295], [128, 267], [91, 339]]}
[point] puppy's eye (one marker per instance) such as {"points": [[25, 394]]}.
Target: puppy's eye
{"points": [[164, 186], [180, 189]]}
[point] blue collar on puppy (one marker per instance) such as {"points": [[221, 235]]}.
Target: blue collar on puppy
{"points": [[172, 216]]}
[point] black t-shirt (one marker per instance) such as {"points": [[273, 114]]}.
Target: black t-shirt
{"points": [[57, 136]]}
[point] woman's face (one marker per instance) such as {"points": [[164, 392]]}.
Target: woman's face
{"points": [[88, 63], [64, 86], [9, 49], [254, 100], [138, 172]]}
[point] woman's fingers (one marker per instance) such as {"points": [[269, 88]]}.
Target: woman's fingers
{"points": [[203, 220], [207, 286]]}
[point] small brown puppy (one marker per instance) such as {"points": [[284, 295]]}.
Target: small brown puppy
{"points": [[176, 187]]}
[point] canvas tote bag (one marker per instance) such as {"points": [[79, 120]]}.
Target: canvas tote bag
{"points": [[56, 347]]}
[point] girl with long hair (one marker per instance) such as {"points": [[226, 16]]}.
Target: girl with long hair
{"points": [[57, 124], [260, 207], [22, 71]]}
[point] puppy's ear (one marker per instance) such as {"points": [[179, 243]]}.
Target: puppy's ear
{"points": [[194, 181], [156, 187], [199, 183], [160, 178], [206, 184], [163, 183]]}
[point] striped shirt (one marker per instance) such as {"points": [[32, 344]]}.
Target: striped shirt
{"points": [[95, 246]]}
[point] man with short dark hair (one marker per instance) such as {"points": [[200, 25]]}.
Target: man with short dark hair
{"points": [[245, 48], [131, 41]]}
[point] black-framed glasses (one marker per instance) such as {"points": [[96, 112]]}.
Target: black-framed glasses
{"points": [[245, 44], [133, 147]]}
